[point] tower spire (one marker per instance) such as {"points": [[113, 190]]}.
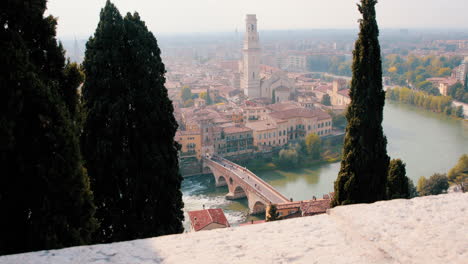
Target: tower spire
{"points": [[250, 82]]}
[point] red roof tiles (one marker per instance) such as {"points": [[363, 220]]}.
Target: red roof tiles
{"points": [[202, 218]]}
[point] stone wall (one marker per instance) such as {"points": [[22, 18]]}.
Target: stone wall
{"points": [[430, 229]]}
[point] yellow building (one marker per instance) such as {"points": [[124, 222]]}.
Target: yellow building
{"points": [[268, 133], [302, 121], [191, 143]]}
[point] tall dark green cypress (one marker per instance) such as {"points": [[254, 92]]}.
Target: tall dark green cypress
{"points": [[397, 182], [363, 173], [45, 198], [128, 140]]}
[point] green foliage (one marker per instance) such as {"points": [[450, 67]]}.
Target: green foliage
{"points": [[459, 92], [459, 112], [326, 100], [436, 184], [415, 70], [412, 189], [186, 94], [288, 157], [128, 139], [208, 99], [458, 175], [314, 146], [397, 181], [273, 97], [439, 104], [45, 196], [272, 215], [422, 182], [428, 87], [363, 174]]}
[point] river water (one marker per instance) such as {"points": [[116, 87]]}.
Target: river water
{"points": [[427, 142]]}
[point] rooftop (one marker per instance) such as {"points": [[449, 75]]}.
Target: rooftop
{"points": [[301, 112], [234, 129], [201, 218], [261, 125]]}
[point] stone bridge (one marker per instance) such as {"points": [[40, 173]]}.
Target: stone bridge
{"points": [[243, 183]]}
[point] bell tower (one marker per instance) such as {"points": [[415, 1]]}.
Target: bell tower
{"points": [[250, 81]]}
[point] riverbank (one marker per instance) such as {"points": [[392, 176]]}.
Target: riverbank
{"points": [[435, 103]]}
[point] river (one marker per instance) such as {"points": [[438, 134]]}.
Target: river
{"points": [[427, 142]]}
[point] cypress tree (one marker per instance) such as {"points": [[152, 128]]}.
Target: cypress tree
{"points": [[208, 97], [397, 182], [363, 173], [128, 140], [44, 191]]}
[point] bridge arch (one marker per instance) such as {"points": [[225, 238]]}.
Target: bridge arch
{"points": [[221, 181], [259, 207], [239, 192]]}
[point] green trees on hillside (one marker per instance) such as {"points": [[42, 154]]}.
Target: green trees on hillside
{"points": [[363, 174], [45, 196], [128, 140]]}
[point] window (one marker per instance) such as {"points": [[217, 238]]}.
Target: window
{"points": [[280, 133], [309, 127]]}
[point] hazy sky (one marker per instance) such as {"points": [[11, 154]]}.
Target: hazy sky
{"points": [[80, 17]]}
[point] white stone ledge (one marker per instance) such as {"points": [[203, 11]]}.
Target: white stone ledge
{"points": [[430, 229]]}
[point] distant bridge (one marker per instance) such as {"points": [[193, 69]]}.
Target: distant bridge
{"points": [[243, 183]]}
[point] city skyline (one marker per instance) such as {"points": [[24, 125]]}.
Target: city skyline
{"points": [[180, 16]]}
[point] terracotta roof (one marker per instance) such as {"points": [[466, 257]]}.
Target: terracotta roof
{"points": [[283, 106], [231, 130], [261, 125], [344, 92], [301, 112], [206, 217], [289, 205], [313, 207], [323, 88]]}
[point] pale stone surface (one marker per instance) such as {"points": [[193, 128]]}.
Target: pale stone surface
{"points": [[422, 230]]}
